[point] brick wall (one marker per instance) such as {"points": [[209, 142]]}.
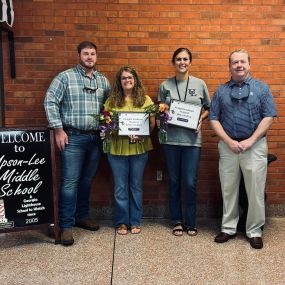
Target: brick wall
{"points": [[145, 33]]}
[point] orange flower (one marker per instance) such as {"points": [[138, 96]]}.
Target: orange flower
{"points": [[108, 120], [163, 107]]}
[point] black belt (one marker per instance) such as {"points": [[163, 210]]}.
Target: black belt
{"points": [[239, 139], [242, 139], [80, 132]]}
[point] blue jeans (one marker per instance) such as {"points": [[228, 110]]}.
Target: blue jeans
{"points": [[183, 165], [128, 171], [79, 162]]}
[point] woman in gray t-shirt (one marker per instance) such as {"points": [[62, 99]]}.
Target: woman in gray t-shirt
{"points": [[183, 145]]}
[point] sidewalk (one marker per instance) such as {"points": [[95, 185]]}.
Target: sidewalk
{"points": [[153, 257]]}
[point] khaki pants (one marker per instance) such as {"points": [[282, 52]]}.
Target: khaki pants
{"points": [[253, 164]]}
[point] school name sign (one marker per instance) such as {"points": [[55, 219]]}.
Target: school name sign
{"points": [[26, 182]]}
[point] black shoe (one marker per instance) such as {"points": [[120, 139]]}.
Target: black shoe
{"points": [[256, 242], [223, 237]]}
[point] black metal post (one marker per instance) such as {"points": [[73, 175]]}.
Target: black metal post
{"points": [[12, 55]]}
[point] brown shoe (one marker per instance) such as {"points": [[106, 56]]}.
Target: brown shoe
{"points": [[67, 237], [87, 224], [223, 237], [256, 242]]}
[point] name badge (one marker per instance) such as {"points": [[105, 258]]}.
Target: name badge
{"points": [[133, 123], [184, 114]]}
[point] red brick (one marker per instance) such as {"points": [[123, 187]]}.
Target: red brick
{"points": [[145, 34]]}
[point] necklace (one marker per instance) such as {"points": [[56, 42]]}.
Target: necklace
{"points": [[185, 89]]}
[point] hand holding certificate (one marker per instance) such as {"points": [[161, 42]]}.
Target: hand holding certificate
{"points": [[184, 114], [133, 124]]}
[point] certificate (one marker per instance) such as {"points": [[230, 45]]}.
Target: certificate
{"points": [[133, 123], [184, 114]]}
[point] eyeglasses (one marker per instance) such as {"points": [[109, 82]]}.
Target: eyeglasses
{"points": [[127, 78], [90, 89], [182, 59]]}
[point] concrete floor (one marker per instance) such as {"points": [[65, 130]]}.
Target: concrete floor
{"points": [[153, 257]]}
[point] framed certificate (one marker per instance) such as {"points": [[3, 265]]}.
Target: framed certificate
{"points": [[184, 114], [133, 123]]}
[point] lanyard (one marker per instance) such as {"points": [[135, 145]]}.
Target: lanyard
{"points": [[185, 89]]}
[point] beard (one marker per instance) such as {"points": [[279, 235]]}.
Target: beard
{"points": [[88, 64]]}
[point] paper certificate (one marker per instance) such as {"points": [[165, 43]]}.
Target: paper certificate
{"points": [[184, 114], [133, 123]]}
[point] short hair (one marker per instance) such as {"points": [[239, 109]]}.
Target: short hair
{"points": [[179, 50], [84, 45], [239, 51]]}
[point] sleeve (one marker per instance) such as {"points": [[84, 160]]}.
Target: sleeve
{"points": [[107, 105], [214, 113], [267, 104], [161, 93], [206, 97], [107, 90], [148, 101], [52, 102]]}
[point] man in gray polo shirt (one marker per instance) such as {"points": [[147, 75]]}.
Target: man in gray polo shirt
{"points": [[241, 112]]}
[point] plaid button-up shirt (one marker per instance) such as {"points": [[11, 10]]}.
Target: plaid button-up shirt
{"points": [[73, 97]]}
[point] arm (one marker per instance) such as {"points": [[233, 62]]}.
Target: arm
{"points": [[261, 130], [61, 138], [233, 145], [202, 118], [53, 99], [205, 101], [236, 146], [52, 102], [152, 122]]}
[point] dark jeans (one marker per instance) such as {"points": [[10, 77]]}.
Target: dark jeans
{"points": [[79, 161], [182, 164]]}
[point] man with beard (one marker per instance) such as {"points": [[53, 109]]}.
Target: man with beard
{"points": [[241, 112], [72, 97]]}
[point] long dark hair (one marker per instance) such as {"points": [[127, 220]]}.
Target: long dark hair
{"points": [[117, 98]]}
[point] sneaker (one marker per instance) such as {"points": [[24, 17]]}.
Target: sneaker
{"points": [[67, 237], [87, 224]]}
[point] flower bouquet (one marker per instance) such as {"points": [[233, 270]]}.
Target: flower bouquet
{"points": [[108, 124], [160, 111]]}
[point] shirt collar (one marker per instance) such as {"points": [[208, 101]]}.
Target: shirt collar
{"points": [[247, 81], [83, 72]]}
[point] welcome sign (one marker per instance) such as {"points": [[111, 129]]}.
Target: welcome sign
{"points": [[26, 178]]}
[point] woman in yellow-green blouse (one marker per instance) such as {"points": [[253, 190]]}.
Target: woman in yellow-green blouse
{"points": [[128, 154]]}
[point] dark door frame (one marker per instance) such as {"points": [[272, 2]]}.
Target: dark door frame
{"points": [[12, 67]]}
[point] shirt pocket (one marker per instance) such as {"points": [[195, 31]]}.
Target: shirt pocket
{"points": [[100, 94]]}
